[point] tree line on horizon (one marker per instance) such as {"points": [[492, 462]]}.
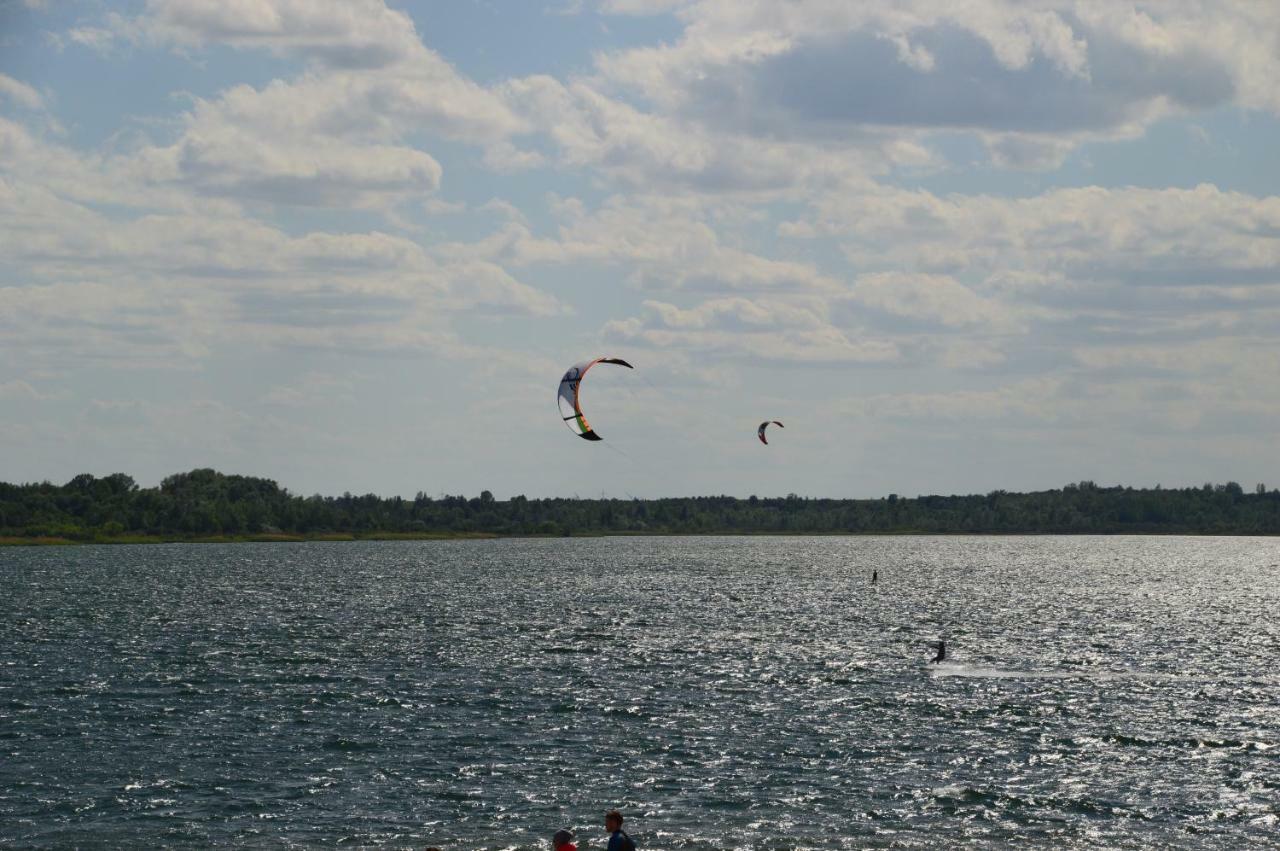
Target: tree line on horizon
{"points": [[204, 503]]}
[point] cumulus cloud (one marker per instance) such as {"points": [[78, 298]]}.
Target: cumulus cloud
{"points": [[335, 134], [208, 426], [1079, 271], [342, 33], [328, 138], [162, 286], [70, 324], [735, 210], [1031, 81], [754, 97], [830, 85], [20, 93], [1156, 237], [53, 178], [1258, 357], [503, 156], [932, 298], [971, 354], [1032, 399], [766, 330], [98, 39], [1151, 415], [776, 99], [375, 79], [313, 388], [646, 148], [737, 314], [592, 129], [487, 287], [965, 282], [641, 7], [882, 318], [662, 242], [233, 161], [367, 277]]}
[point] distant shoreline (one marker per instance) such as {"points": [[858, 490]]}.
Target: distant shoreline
{"points": [[118, 540], [207, 506], [332, 538]]}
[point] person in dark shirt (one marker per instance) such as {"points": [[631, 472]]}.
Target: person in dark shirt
{"points": [[618, 839], [941, 647]]}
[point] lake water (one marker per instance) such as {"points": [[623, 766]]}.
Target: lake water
{"points": [[723, 692]]}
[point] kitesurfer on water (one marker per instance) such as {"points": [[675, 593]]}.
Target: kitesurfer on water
{"points": [[875, 577], [941, 647]]}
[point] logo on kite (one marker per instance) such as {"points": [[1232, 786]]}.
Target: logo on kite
{"points": [[764, 425], [569, 399]]}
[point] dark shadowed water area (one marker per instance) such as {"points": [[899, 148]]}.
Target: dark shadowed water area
{"points": [[723, 692]]}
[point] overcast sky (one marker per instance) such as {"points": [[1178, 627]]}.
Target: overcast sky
{"points": [[954, 247]]}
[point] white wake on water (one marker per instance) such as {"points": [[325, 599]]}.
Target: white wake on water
{"points": [[953, 669]]}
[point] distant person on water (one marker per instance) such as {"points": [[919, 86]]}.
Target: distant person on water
{"points": [[941, 647], [618, 839], [875, 577], [563, 841]]}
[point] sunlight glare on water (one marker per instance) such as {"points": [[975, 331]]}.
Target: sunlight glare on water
{"points": [[722, 692]]}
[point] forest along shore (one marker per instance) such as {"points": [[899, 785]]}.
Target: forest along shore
{"points": [[205, 505]]}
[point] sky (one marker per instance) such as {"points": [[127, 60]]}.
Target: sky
{"points": [[352, 245]]}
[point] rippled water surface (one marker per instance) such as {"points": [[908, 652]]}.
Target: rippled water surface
{"points": [[723, 692]]}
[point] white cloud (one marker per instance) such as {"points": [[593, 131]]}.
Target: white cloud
{"points": [[504, 210], [752, 98], [49, 176], [383, 85], [737, 314], [1031, 80], [933, 298], [1076, 272], [503, 157], [203, 428], [487, 287], [1075, 412], [758, 329], [662, 242], [337, 134], [353, 275], [70, 324], [313, 389], [971, 354], [641, 7], [226, 160], [20, 93], [1089, 311], [328, 139], [1257, 359], [1081, 237], [341, 33], [1032, 399], [167, 286], [651, 149]]}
